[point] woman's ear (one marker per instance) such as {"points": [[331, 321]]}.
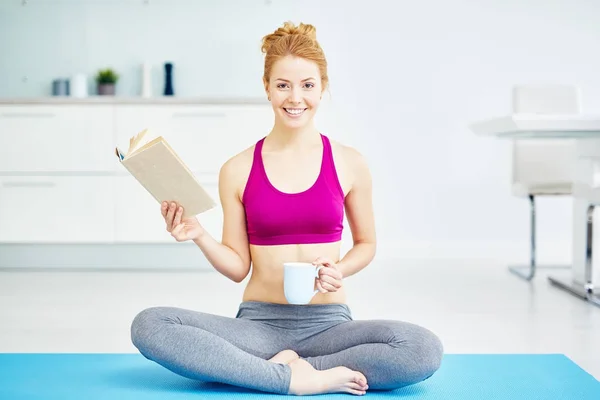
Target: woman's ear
{"points": [[266, 85]]}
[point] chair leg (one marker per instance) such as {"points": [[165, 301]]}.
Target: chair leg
{"points": [[527, 272], [585, 291], [589, 284]]}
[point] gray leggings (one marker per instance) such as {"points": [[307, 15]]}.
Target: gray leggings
{"points": [[235, 351]]}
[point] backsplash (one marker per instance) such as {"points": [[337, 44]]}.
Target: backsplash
{"points": [[214, 46]]}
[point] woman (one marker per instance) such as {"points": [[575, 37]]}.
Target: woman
{"points": [[283, 200]]}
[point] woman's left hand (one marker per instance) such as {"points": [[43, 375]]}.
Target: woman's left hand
{"points": [[330, 277]]}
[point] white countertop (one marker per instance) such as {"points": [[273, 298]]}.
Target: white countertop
{"points": [[519, 126], [163, 100]]}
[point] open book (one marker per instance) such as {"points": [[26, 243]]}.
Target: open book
{"points": [[163, 174]]}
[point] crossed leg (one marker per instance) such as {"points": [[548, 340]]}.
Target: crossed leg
{"points": [[234, 351], [391, 354], [212, 348]]}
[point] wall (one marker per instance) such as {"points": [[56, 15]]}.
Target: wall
{"points": [[407, 79]]}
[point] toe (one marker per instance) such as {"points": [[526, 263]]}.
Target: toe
{"points": [[355, 386], [360, 379], [356, 392]]}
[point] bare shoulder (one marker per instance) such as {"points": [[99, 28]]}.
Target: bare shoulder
{"points": [[354, 162], [235, 171], [240, 161], [351, 166]]}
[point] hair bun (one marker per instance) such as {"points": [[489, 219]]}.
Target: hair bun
{"points": [[287, 29]]}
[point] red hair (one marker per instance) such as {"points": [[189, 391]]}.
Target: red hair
{"points": [[299, 41]]}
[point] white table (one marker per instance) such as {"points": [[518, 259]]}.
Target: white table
{"points": [[585, 130]]}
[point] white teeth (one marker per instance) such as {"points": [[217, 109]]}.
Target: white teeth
{"points": [[294, 111]]}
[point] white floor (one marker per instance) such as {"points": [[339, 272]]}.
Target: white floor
{"points": [[474, 306]]}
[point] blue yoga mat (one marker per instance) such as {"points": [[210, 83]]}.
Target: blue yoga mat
{"points": [[131, 376]]}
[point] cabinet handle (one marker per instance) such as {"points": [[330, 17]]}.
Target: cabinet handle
{"points": [[199, 114], [28, 184], [27, 115]]}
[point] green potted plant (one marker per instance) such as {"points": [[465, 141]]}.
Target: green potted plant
{"points": [[106, 80]]}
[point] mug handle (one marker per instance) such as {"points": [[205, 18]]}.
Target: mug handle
{"points": [[316, 276]]}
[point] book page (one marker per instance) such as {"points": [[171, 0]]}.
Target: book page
{"points": [[138, 141]]}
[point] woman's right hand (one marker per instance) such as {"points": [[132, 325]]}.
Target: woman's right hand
{"points": [[181, 230]]}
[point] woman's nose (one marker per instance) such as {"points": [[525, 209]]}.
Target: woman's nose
{"points": [[295, 96]]}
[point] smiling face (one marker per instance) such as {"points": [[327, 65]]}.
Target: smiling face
{"points": [[295, 91]]}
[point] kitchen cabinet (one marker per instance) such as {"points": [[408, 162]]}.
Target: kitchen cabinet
{"points": [[56, 209], [46, 138], [205, 136], [138, 218], [61, 182]]}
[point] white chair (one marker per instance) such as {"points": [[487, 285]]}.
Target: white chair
{"points": [[542, 167]]}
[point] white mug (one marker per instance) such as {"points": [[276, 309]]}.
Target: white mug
{"points": [[299, 281]]}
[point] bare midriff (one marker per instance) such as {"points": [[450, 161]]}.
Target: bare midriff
{"points": [[266, 280]]}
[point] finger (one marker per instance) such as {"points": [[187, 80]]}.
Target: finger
{"points": [[333, 273], [176, 232], [330, 281], [170, 215], [320, 288], [322, 261], [178, 215], [331, 264], [170, 212], [163, 208], [328, 271], [328, 287]]}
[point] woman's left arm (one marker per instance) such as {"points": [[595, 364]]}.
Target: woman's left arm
{"points": [[359, 212]]}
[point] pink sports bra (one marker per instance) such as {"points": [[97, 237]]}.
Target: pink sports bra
{"points": [[313, 216]]}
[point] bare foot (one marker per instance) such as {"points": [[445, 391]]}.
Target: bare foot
{"points": [[284, 357], [306, 380]]}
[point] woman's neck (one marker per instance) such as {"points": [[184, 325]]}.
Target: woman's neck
{"points": [[282, 137]]}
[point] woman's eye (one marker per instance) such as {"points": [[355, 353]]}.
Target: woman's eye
{"points": [[308, 85]]}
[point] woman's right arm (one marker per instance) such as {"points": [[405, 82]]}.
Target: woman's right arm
{"points": [[231, 257]]}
